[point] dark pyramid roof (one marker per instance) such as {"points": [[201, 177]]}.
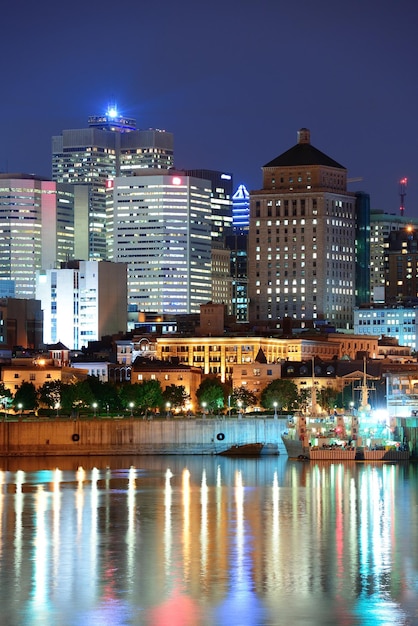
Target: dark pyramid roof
{"points": [[303, 153], [261, 357]]}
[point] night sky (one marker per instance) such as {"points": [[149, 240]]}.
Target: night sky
{"points": [[234, 80]]}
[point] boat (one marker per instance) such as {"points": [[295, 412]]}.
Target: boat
{"points": [[343, 437], [246, 449]]}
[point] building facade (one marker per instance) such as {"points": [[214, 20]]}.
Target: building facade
{"points": [[36, 230], [398, 322], [241, 209], [381, 225], [301, 253], [88, 157], [161, 226], [82, 301]]}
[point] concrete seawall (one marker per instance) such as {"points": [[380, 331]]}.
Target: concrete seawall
{"points": [[136, 436]]}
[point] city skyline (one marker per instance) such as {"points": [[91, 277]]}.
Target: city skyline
{"points": [[233, 83]]}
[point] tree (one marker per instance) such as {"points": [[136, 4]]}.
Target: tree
{"points": [[76, 396], [327, 398], [27, 396], [6, 397], [212, 392], [282, 391], [176, 396], [243, 397], [50, 393]]}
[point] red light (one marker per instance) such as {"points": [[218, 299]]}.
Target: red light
{"points": [[109, 184]]}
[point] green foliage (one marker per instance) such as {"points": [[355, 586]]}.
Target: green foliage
{"points": [[50, 393], [145, 396], [328, 398], [76, 396], [244, 396], [282, 391], [6, 397], [175, 395], [27, 396], [212, 392]]}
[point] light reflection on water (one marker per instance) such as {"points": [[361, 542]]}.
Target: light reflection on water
{"points": [[167, 541]]}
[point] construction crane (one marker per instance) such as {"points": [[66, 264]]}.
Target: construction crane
{"points": [[402, 193]]}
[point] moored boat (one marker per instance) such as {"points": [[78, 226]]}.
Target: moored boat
{"points": [[246, 449]]}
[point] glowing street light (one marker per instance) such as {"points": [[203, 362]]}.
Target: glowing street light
{"points": [[167, 408], [95, 408], [131, 406], [20, 407], [275, 410], [204, 409], [239, 409]]}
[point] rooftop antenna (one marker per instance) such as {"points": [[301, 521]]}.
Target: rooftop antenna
{"points": [[402, 192]]}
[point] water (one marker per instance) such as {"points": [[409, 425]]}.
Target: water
{"points": [[190, 541]]}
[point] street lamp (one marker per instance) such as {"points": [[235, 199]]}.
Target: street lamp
{"points": [[20, 407], [57, 406], [95, 408], [239, 409], [131, 406], [275, 410], [167, 408], [204, 410]]}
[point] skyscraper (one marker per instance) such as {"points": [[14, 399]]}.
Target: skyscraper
{"points": [[162, 230], [302, 239], [241, 209], [111, 146], [36, 230]]}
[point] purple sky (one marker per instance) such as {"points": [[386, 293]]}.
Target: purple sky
{"points": [[232, 79]]}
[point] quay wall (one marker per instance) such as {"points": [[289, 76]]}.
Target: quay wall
{"points": [[136, 436]]}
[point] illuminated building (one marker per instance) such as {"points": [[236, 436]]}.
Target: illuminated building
{"points": [[241, 209], [220, 200], [88, 157], [161, 225], [36, 229], [237, 245], [381, 225], [396, 321], [401, 267], [301, 252], [83, 301], [220, 354]]}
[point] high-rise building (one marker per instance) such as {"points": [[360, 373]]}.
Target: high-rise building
{"points": [[88, 157], [237, 245], [220, 200], [162, 230], [362, 277], [401, 267], [302, 239], [82, 301], [381, 225], [36, 230], [241, 209]]}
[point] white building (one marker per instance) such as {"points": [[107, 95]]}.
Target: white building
{"points": [[82, 302], [36, 230], [161, 228], [397, 322], [88, 157]]}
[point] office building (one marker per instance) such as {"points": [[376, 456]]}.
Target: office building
{"points": [[362, 255], [89, 157], [36, 230], [381, 225], [82, 301], [401, 267], [237, 245], [241, 209], [21, 323], [397, 322], [162, 230], [220, 200], [301, 253]]}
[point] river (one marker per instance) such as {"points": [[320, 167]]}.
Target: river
{"points": [[190, 541]]}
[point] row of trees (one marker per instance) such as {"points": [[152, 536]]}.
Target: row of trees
{"points": [[213, 397]]}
